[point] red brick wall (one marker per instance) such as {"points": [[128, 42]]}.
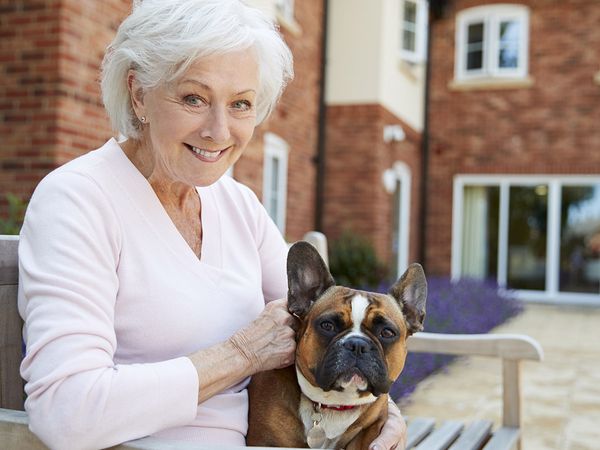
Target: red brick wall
{"points": [[51, 110], [357, 156], [552, 127], [28, 70]]}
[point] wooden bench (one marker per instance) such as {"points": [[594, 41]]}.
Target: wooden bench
{"points": [[422, 432]]}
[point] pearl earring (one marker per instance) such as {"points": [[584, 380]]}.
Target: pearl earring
{"points": [[143, 119]]}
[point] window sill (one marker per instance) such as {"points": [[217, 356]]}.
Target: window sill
{"points": [[289, 24], [410, 69], [490, 83], [597, 78]]}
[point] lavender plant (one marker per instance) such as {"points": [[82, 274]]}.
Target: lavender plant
{"points": [[465, 306]]}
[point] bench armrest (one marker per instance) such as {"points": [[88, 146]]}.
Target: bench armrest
{"points": [[511, 348], [505, 346]]}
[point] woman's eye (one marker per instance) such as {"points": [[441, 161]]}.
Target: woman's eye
{"points": [[387, 333], [242, 105], [193, 100], [327, 325]]}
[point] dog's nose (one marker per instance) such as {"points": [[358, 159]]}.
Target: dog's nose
{"points": [[358, 345]]}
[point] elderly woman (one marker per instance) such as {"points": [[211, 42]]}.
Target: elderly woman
{"points": [[144, 271]]}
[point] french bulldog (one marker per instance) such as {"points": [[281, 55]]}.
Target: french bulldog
{"points": [[350, 348]]}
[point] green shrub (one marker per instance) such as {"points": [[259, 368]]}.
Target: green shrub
{"points": [[16, 211], [354, 263]]}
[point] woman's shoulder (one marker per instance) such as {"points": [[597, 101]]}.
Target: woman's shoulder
{"points": [[84, 170]]}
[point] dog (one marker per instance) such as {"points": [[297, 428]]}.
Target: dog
{"points": [[350, 348]]}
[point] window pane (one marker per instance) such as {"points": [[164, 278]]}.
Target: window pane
{"points": [[409, 26], [274, 175], [580, 239], [273, 197], [475, 33], [527, 233], [509, 44], [480, 232], [396, 210], [408, 40], [410, 12]]}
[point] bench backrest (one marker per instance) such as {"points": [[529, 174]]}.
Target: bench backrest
{"points": [[11, 343]]}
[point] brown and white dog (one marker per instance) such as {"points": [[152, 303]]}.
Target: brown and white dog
{"points": [[351, 346]]}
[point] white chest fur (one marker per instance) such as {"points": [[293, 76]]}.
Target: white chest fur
{"points": [[334, 423]]}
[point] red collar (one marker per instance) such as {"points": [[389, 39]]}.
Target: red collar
{"points": [[319, 406]]}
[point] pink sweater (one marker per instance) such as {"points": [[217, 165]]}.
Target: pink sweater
{"points": [[113, 299]]}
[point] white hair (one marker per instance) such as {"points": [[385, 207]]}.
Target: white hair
{"points": [[161, 38]]}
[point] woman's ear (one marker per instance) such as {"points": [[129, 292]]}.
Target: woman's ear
{"points": [[136, 93]]}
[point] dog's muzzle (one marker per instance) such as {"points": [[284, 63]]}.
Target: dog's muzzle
{"points": [[354, 356]]}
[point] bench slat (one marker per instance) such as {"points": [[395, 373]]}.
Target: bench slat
{"points": [[474, 436], [442, 437], [505, 438], [418, 429]]}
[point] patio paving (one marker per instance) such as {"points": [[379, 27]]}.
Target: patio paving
{"points": [[561, 394]]}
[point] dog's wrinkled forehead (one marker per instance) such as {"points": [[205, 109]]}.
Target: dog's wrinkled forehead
{"points": [[355, 306]]}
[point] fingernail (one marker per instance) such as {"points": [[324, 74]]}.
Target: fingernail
{"points": [[375, 447]]}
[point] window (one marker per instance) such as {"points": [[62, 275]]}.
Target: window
{"points": [[537, 235], [275, 178], [285, 8], [397, 182], [492, 41], [413, 32]]}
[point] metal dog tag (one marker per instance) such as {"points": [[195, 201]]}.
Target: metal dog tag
{"points": [[316, 437]]}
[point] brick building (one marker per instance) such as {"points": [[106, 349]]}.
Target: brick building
{"points": [[513, 182], [497, 176]]}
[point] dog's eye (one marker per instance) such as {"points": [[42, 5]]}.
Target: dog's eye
{"points": [[327, 325], [387, 333]]}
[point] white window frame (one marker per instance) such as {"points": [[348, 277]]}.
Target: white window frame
{"points": [[285, 8], [491, 16], [275, 148], [400, 171], [420, 52], [551, 294]]}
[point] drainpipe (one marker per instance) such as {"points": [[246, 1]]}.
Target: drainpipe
{"points": [[321, 150], [423, 207]]}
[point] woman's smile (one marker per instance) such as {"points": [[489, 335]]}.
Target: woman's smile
{"points": [[206, 155]]}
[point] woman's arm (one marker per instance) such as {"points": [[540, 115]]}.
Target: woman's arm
{"points": [[77, 396]]}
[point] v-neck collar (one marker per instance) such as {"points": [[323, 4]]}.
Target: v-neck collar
{"points": [[144, 197]]}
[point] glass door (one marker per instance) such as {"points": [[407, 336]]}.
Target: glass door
{"points": [[527, 237], [580, 239]]}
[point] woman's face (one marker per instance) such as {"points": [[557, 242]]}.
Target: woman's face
{"points": [[199, 125]]}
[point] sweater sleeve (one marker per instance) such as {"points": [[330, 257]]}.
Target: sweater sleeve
{"points": [[77, 397]]}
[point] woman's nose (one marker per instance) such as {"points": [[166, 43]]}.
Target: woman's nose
{"points": [[216, 128]]}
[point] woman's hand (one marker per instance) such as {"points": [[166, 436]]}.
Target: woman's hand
{"points": [[393, 433], [268, 342]]}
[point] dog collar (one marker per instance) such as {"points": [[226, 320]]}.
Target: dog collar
{"points": [[319, 406]]}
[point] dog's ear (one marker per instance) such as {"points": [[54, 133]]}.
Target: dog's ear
{"points": [[410, 291], [308, 277]]}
